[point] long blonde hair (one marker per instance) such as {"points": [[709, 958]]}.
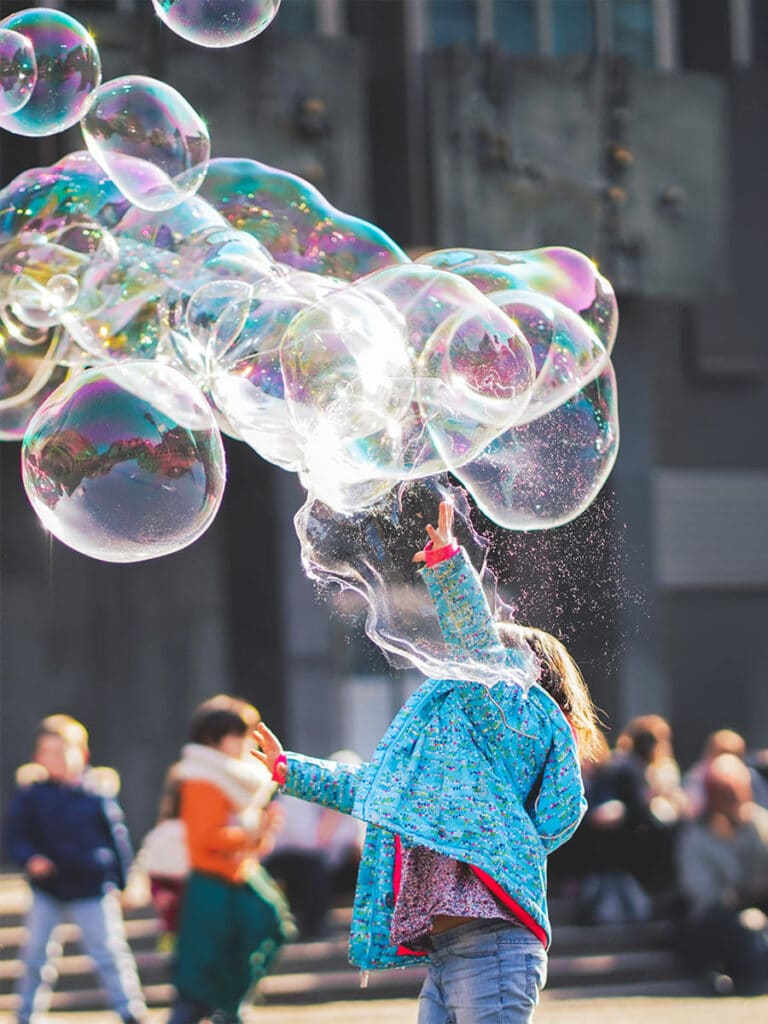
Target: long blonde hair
{"points": [[561, 677]]}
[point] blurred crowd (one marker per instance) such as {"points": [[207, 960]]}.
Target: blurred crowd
{"points": [[234, 869], [689, 846]]}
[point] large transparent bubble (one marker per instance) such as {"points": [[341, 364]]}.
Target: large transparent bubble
{"points": [[48, 199], [18, 70], [217, 22], [148, 139], [68, 72], [466, 376], [125, 463], [248, 384], [563, 274], [566, 351], [474, 368], [547, 472], [371, 553], [295, 222]]}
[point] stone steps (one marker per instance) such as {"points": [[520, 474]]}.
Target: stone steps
{"points": [[581, 957]]}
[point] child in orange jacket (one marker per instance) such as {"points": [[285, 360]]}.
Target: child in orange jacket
{"points": [[234, 919]]}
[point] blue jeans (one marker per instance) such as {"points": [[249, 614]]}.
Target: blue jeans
{"points": [[102, 935], [483, 972]]}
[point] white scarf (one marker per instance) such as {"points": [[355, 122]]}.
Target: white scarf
{"points": [[246, 783]]}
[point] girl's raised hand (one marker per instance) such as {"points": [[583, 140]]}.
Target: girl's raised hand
{"points": [[270, 753], [442, 535]]}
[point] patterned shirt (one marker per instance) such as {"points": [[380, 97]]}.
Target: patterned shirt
{"points": [[433, 884]]}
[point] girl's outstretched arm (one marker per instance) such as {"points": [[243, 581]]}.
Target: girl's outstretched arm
{"points": [[330, 783], [463, 612]]}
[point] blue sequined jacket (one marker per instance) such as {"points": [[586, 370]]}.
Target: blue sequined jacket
{"points": [[488, 776]]}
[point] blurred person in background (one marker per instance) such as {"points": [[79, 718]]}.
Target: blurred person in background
{"points": [[234, 919], [66, 830], [722, 869], [636, 803], [723, 741]]}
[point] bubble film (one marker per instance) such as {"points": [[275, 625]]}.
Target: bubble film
{"points": [[563, 274], [549, 471], [371, 553], [148, 139], [68, 72], [567, 353], [29, 372], [473, 368], [18, 70], [120, 477], [295, 222], [120, 310], [217, 22], [248, 384], [49, 199]]}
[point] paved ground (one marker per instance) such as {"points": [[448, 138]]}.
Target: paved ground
{"points": [[554, 1009]]}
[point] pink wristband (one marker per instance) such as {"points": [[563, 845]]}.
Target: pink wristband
{"points": [[433, 556], [281, 759]]}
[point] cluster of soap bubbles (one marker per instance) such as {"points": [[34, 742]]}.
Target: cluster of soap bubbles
{"points": [[152, 298]]}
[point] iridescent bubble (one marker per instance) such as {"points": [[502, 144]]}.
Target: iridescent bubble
{"points": [[18, 70], [68, 72], [125, 463], [343, 354], [29, 372], [38, 278], [216, 314], [563, 274], [547, 472], [225, 253], [566, 351], [148, 139], [171, 229], [346, 368], [121, 309], [295, 222], [248, 385], [217, 22], [48, 199], [472, 370]]}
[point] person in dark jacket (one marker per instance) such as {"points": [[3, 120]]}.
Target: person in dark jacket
{"points": [[66, 830]]}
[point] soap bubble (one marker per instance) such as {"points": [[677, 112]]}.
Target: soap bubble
{"points": [[46, 199], [248, 384], [18, 70], [217, 22], [472, 371], [170, 229], [121, 310], [563, 274], [371, 552], [295, 222], [68, 72], [125, 463], [29, 372], [566, 351], [547, 472], [148, 139]]}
